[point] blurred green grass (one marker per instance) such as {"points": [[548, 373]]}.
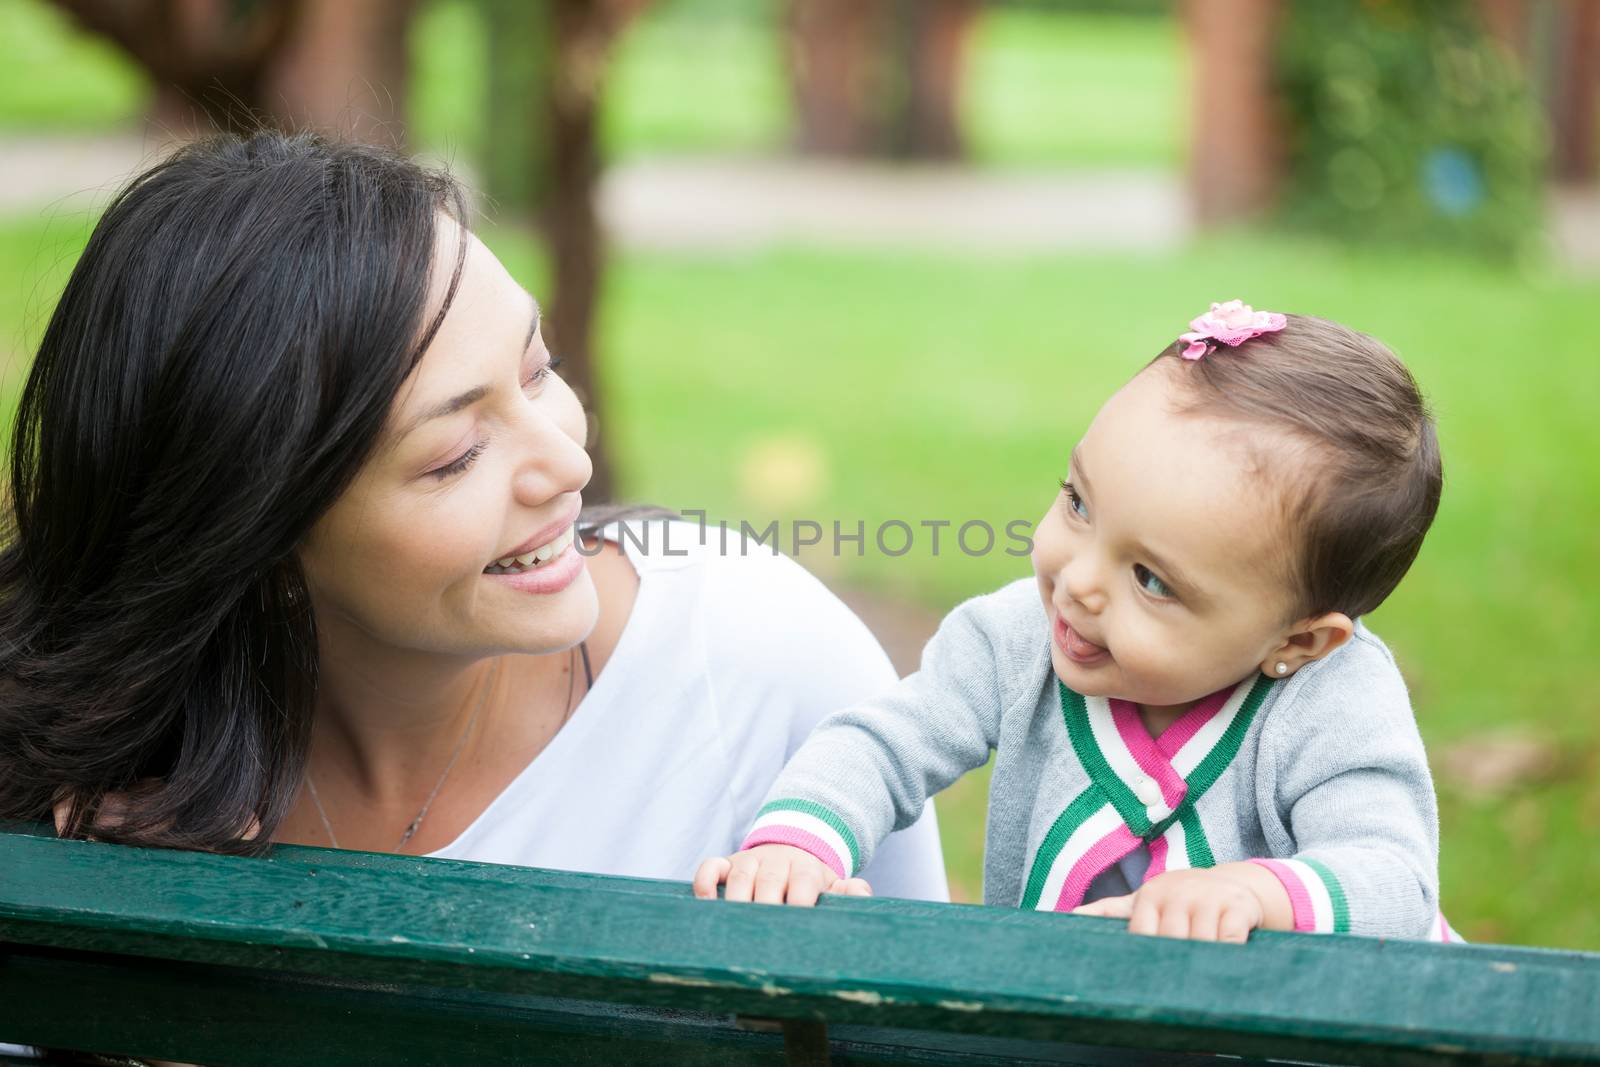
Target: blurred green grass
{"points": [[925, 387]]}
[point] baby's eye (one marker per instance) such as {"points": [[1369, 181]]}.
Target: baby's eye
{"points": [[1150, 582], [1075, 501]]}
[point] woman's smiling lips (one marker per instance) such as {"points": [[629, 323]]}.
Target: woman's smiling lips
{"points": [[551, 576], [547, 562], [1076, 648]]}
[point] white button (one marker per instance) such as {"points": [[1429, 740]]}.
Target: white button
{"points": [[1147, 791], [1157, 812]]}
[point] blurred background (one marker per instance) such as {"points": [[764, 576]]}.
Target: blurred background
{"points": [[863, 260]]}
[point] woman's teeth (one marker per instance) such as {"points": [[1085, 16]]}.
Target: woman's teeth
{"points": [[530, 560]]}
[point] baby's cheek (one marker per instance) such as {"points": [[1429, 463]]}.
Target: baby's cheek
{"points": [[1159, 666]]}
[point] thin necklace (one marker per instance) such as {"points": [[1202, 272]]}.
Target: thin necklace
{"points": [[588, 681], [461, 743]]}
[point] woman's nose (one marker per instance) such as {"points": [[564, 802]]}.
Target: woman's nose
{"points": [[553, 463]]}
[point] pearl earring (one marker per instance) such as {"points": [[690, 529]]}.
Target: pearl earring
{"points": [[1283, 668]]}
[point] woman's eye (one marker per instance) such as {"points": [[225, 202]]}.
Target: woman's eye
{"points": [[544, 372], [1151, 584], [460, 464], [1074, 501]]}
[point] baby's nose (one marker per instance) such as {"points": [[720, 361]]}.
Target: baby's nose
{"points": [[1080, 580]]}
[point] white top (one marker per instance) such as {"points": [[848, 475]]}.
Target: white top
{"points": [[726, 663]]}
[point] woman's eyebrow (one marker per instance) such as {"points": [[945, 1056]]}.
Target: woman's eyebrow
{"points": [[476, 393]]}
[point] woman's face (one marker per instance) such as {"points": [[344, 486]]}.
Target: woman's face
{"points": [[482, 459]]}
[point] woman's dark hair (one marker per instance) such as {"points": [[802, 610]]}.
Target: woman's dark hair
{"points": [[1368, 475], [219, 367]]}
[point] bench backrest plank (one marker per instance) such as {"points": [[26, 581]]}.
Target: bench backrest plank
{"points": [[458, 934]]}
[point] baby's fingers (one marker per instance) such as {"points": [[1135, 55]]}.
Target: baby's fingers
{"points": [[1144, 918], [772, 881], [1108, 907], [851, 887], [742, 877], [710, 874], [1205, 920], [1234, 926], [805, 884]]}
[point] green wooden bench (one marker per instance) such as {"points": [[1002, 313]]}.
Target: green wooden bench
{"points": [[312, 956]]}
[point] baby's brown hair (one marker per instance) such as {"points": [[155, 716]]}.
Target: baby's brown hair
{"points": [[1364, 506]]}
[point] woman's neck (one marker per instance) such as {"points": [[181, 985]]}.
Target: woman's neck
{"points": [[387, 718]]}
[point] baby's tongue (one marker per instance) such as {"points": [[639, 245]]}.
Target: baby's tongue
{"points": [[1081, 647]]}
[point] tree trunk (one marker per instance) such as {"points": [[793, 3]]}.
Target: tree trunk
{"points": [[288, 63], [833, 74], [879, 77], [581, 35], [1563, 70], [1575, 99], [927, 124], [345, 71], [1234, 166]]}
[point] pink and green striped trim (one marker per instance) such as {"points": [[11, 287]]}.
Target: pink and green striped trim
{"points": [[1315, 895], [1107, 820], [1186, 760], [807, 825], [1089, 836], [1182, 844], [1084, 840]]}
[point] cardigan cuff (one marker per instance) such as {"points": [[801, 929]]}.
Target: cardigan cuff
{"points": [[810, 827], [1314, 893]]}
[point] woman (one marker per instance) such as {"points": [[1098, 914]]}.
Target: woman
{"points": [[296, 490]]}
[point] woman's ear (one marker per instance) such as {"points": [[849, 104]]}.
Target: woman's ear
{"points": [[1307, 641]]}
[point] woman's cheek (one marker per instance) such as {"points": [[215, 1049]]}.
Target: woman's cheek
{"points": [[458, 531]]}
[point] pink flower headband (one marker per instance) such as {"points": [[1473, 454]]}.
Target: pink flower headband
{"points": [[1232, 323]]}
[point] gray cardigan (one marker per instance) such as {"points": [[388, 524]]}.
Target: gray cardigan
{"points": [[1321, 775]]}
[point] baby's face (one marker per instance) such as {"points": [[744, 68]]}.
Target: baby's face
{"points": [[1163, 568]]}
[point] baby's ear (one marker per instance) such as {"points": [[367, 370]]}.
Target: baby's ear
{"points": [[1308, 641]]}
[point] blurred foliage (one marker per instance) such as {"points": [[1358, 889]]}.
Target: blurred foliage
{"points": [[54, 78], [1408, 125]]}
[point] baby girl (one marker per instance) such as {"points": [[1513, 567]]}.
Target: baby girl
{"points": [[1193, 729]]}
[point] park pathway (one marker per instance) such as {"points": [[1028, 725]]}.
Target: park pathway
{"points": [[731, 203]]}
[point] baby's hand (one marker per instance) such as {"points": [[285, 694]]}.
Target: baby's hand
{"points": [[773, 874], [1219, 904]]}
